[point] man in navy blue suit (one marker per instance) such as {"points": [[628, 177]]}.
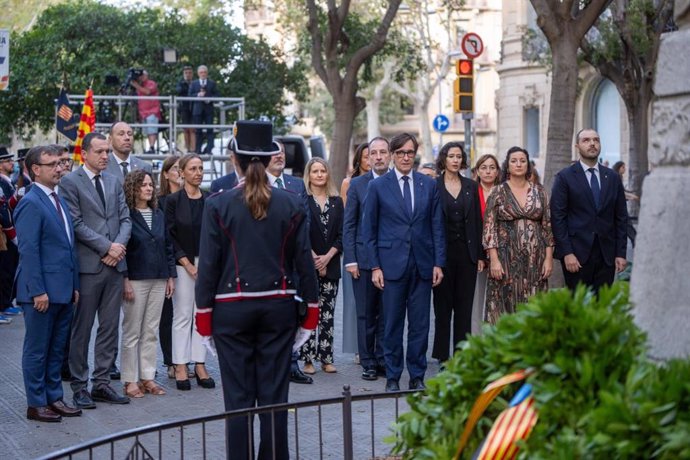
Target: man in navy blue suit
{"points": [[202, 111], [47, 284], [406, 250], [368, 299], [589, 217]]}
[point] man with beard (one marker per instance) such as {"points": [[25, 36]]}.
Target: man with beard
{"points": [[589, 217], [120, 160]]}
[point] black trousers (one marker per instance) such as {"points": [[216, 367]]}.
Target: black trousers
{"points": [[254, 340], [594, 273], [8, 266], [204, 118], [165, 331], [453, 300], [369, 305]]}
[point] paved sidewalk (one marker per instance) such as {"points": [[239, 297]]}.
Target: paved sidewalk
{"points": [[22, 439]]}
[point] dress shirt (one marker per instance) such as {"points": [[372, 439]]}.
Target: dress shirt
{"points": [[401, 184], [119, 162], [49, 193], [272, 180], [588, 173]]}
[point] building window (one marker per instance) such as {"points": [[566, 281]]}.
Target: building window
{"points": [[531, 131], [607, 120]]}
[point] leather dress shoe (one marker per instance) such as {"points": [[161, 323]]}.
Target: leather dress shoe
{"points": [[42, 414], [417, 384], [369, 373], [297, 376], [105, 393], [63, 409], [114, 373], [82, 400], [392, 385]]}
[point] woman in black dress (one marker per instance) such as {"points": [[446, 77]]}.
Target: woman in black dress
{"points": [[464, 252], [254, 241], [326, 235]]}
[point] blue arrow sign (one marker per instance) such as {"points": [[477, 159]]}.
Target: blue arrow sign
{"points": [[441, 123]]}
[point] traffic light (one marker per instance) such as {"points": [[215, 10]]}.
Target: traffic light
{"points": [[463, 98]]}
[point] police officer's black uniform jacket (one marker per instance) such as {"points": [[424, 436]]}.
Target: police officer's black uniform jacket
{"points": [[242, 258]]}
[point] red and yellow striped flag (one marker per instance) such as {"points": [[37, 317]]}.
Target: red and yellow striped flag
{"points": [[87, 123]]}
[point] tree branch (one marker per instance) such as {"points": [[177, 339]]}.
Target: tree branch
{"points": [[546, 19], [588, 16], [316, 41]]}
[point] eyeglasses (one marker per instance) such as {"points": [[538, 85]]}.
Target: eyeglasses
{"points": [[66, 163], [52, 165], [404, 153]]}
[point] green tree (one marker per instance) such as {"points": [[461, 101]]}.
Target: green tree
{"points": [[624, 48], [564, 23], [85, 41]]}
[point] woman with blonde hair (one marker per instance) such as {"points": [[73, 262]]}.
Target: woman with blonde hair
{"points": [[326, 235]]}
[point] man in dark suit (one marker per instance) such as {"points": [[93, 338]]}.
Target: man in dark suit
{"points": [[120, 160], [47, 283], [278, 179], [368, 299], [102, 227], [406, 250], [589, 217], [202, 111]]}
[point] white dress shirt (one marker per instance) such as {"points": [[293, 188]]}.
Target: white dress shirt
{"points": [[48, 192], [401, 184], [588, 173]]}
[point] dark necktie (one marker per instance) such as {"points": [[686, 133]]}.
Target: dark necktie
{"points": [[596, 190], [279, 183], [125, 171], [407, 195], [59, 208], [99, 188]]}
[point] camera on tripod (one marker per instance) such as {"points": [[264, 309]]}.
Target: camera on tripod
{"points": [[132, 74]]}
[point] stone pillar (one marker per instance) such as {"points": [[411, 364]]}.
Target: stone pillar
{"points": [[660, 284]]}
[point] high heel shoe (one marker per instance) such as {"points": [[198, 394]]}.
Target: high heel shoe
{"points": [[182, 385], [208, 382]]}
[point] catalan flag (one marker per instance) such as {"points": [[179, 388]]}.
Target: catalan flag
{"points": [[66, 121], [512, 425], [87, 124]]}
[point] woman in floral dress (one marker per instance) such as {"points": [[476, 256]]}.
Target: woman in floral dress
{"points": [[517, 237]]}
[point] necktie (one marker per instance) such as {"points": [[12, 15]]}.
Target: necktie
{"points": [[99, 189], [596, 190], [407, 195], [59, 208], [279, 183], [125, 171]]}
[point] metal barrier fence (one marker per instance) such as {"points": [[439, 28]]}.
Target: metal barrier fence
{"points": [[338, 422]]}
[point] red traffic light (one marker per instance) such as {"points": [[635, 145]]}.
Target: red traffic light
{"points": [[464, 67]]}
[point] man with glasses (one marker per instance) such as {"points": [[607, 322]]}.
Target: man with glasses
{"points": [[406, 250], [367, 296], [47, 285], [102, 228]]}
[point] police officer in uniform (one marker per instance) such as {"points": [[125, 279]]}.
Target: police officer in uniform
{"points": [[254, 240]]}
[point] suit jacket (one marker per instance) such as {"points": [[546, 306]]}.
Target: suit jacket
{"points": [[469, 196], [96, 228], [183, 230], [115, 169], [354, 242], [226, 182], [333, 238], [211, 91], [47, 258], [575, 220], [150, 250], [392, 235]]}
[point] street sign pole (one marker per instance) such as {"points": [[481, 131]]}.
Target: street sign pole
{"points": [[468, 134]]}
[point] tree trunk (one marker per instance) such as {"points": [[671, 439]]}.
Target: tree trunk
{"points": [[373, 124], [345, 113], [638, 162], [422, 108], [560, 141]]}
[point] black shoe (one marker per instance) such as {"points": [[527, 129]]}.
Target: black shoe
{"points": [[297, 376], [114, 373], [183, 385], [381, 370], [369, 373], [392, 385], [417, 384], [82, 400], [205, 383], [107, 394]]}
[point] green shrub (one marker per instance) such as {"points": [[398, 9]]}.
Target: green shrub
{"points": [[597, 394]]}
